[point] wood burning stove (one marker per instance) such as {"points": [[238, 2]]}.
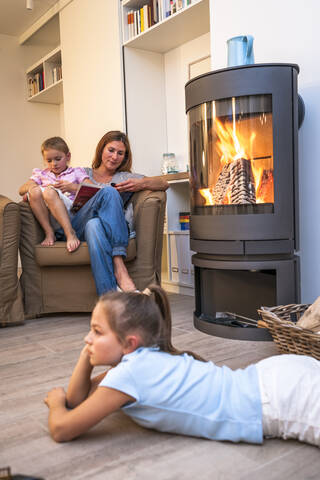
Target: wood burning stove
{"points": [[243, 146]]}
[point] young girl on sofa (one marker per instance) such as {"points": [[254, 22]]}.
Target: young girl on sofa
{"points": [[178, 392], [53, 189]]}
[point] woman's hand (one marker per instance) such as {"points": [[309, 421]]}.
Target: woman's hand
{"points": [[145, 183], [130, 185], [65, 186], [55, 398]]}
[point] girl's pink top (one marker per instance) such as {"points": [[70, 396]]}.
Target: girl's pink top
{"points": [[71, 174]]}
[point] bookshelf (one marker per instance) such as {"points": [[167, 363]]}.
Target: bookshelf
{"points": [[44, 79], [156, 66], [169, 32]]}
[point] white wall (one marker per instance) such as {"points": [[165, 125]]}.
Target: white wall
{"points": [[176, 76], [285, 31], [92, 78], [146, 109], [24, 125]]}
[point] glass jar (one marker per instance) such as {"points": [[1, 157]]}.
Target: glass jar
{"points": [[169, 163]]}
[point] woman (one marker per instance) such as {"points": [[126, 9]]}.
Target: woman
{"points": [[101, 222]]}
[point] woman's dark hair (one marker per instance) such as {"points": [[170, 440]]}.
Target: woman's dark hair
{"points": [[114, 136], [129, 312]]}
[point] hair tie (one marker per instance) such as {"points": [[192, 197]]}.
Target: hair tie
{"points": [[147, 291]]}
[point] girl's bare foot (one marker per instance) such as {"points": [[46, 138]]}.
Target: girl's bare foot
{"points": [[124, 281], [73, 242], [49, 239]]}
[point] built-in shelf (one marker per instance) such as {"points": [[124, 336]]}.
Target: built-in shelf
{"points": [[52, 94], [177, 177], [173, 31], [44, 79]]}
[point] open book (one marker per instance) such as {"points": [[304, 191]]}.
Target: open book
{"points": [[86, 191]]}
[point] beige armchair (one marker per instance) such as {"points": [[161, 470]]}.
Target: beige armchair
{"points": [[11, 308], [54, 280]]}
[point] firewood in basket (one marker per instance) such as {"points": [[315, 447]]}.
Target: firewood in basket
{"points": [[311, 317]]}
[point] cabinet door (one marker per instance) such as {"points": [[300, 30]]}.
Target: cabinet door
{"points": [[181, 268]]}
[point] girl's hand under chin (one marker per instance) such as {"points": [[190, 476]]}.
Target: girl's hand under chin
{"points": [[56, 397]]}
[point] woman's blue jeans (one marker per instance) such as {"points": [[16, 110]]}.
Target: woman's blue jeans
{"points": [[101, 223]]}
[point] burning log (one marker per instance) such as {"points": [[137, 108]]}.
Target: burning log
{"points": [[220, 190], [236, 182], [265, 189], [242, 182]]}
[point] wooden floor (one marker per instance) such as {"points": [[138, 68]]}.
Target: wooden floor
{"points": [[41, 354]]}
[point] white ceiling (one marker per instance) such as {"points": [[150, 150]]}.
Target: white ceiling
{"points": [[16, 19]]}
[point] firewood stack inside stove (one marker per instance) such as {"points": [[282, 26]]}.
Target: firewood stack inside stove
{"points": [[236, 179]]}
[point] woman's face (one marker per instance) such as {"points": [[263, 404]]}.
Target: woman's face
{"points": [[113, 155], [103, 345]]}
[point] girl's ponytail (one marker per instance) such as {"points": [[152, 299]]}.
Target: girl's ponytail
{"points": [[165, 340]]}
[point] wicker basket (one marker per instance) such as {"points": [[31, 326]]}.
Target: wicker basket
{"points": [[288, 337]]}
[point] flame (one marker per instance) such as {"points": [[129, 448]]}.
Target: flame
{"points": [[232, 146]]}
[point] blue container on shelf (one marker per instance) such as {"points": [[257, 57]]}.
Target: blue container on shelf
{"points": [[184, 220]]}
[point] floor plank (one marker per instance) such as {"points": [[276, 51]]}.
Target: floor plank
{"points": [[41, 354]]}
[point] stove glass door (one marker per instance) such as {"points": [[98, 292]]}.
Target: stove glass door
{"points": [[231, 156]]}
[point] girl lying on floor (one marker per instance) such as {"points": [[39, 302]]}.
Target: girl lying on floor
{"points": [[162, 388]]}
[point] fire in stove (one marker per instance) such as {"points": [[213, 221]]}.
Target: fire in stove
{"points": [[242, 161]]}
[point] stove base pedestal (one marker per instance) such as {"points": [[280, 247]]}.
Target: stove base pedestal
{"points": [[241, 287]]}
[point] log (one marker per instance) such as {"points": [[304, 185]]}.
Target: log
{"points": [[311, 317]]}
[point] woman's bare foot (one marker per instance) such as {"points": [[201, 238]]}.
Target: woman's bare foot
{"points": [[49, 239], [73, 242], [124, 281]]}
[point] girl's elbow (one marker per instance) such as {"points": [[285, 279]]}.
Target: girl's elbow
{"points": [[61, 433]]}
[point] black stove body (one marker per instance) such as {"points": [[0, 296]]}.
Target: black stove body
{"points": [[243, 146]]}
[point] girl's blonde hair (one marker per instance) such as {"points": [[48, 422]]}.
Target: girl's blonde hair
{"points": [[55, 143], [129, 312], [114, 136]]}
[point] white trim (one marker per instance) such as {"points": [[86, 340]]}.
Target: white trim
{"points": [[199, 60]]}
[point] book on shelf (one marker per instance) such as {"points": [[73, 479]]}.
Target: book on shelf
{"points": [[152, 12], [144, 17], [35, 83], [56, 74], [86, 191]]}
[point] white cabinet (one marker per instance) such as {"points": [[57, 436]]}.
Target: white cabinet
{"points": [[180, 265], [44, 79], [177, 268]]}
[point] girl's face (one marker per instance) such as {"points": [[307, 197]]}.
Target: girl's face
{"points": [[56, 161], [103, 345], [113, 155]]}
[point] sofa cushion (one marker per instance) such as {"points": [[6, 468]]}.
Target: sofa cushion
{"points": [[58, 255]]}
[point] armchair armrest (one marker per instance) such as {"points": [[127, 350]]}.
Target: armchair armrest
{"points": [[11, 311], [31, 235], [149, 211]]}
